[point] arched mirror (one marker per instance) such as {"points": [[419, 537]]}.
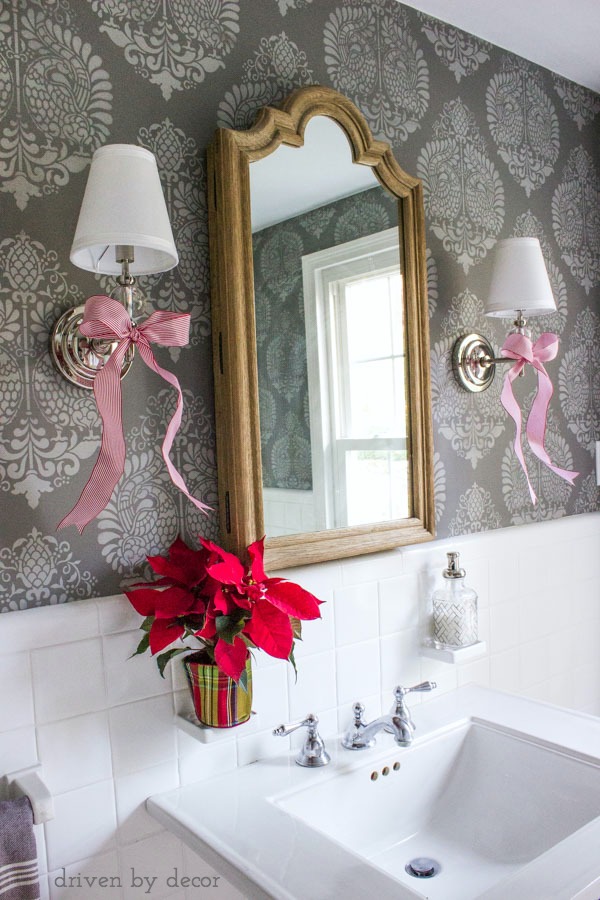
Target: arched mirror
{"points": [[320, 336]]}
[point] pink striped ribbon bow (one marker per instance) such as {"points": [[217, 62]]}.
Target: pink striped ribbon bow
{"points": [[107, 319], [520, 348]]}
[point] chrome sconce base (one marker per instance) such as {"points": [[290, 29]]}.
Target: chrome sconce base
{"points": [[473, 362], [76, 357]]}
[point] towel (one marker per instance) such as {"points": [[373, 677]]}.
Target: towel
{"points": [[18, 852]]}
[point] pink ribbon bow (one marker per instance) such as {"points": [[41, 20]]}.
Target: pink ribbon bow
{"points": [[106, 319], [520, 348]]}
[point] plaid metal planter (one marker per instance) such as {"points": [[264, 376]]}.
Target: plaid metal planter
{"points": [[218, 701]]}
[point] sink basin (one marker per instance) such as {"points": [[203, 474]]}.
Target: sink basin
{"points": [[498, 796], [479, 801]]}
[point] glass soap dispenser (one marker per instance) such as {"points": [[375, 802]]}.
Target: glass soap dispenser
{"points": [[454, 609]]}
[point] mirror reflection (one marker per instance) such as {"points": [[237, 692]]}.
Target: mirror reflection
{"points": [[330, 333]]}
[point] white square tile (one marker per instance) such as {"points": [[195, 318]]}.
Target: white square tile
{"points": [[261, 745], [131, 793], [142, 734], [117, 614], [198, 761], [68, 680], [84, 824], [48, 625], [400, 659], [504, 626], [533, 663], [16, 695], [444, 674], [151, 867], [356, 613], [358, 671], [477, 578], [315, 687], [400, 603], [75, 752], [372, 567], [269, 697], [505, 671], [477, 672], [504, 578], [88, 879], [318, 579], [533, 619], [18, 750], [129, 679], [318, 634]]}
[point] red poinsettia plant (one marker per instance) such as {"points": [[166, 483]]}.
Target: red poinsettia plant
{"points": [[210, 597]]}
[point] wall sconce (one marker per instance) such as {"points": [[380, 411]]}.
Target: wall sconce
{"points": [[520, 287], [123, 230]]}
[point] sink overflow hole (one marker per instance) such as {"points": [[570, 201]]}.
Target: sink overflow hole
{"points": [[422, 867]]}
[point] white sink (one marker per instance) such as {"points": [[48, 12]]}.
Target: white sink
{"points": [[502, 792], [479, 800]]}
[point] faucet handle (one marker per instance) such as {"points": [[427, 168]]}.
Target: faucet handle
{"points": [[416, 688], [400, 708], [349, 740], [313, 752]]}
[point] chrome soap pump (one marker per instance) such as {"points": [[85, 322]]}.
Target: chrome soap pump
{"points": [[454, 609]]}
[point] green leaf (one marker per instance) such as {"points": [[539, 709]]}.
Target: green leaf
{"points": [[228, 627], [147, 623], [143, 645], [163, 658], [292, 659]]}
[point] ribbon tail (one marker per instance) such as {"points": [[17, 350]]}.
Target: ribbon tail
{"points": [[173, 426], [509, 402], [110, 463], [536, 424]]}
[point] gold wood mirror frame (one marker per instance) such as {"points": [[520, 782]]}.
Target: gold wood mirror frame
{"points": [[234, 333]]}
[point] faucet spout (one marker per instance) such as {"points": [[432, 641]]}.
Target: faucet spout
{"points": [[395, 725]]}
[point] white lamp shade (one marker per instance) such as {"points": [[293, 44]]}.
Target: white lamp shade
{"points": [[123, 204], [519, 280]]}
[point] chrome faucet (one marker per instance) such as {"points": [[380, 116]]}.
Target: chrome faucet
{"points": [[398, 722], [313, 753]]}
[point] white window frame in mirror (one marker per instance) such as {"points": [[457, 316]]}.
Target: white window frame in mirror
{"points": [[324, 274], [234, 332]]}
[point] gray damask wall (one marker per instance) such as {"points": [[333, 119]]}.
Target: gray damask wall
{"points": [[503, 148]]}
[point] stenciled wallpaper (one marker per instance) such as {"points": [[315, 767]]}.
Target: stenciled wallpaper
{"points": [[503, 147], [280, 338]]}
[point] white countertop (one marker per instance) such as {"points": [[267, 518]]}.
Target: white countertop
{"points": [[233, 823]]}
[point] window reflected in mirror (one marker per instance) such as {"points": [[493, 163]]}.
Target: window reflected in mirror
{"points": [[330, 339]]}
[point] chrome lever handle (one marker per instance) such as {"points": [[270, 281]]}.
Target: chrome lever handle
{"points": [[400, 708], [416, 688], [311, 721], [313, 752]]}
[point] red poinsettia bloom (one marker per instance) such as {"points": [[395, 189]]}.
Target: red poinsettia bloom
{"points": [[271, 602], [175, 596], [209, 595]]}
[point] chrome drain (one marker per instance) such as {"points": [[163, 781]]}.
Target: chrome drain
{"points": [[422, 867]]}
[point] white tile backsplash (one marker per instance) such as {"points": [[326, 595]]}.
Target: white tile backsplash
{"points": [[68, 679], [142, 734], [84, 824], [75, 751], [102, 725]]}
